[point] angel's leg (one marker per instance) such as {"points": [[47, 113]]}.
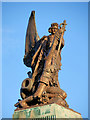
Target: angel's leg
{"points": [[40, 90]]}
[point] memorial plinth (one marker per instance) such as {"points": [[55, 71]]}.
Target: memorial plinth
{"points": [[47, 111]]}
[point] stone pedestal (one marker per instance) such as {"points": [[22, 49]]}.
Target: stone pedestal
{"points": [[47, 111]]}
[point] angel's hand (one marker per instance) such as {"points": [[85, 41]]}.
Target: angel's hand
{"points": [[21, 103], [17, 104]]}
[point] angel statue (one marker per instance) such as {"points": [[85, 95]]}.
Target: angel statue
{"points": [[43, 56]]}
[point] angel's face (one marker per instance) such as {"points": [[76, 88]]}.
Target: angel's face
{"points": [[54, 30]]}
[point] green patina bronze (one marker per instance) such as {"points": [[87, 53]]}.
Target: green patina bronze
{"points": [[47, 111]]}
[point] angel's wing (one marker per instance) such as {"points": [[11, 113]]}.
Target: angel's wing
{"points": [[31, 34]]}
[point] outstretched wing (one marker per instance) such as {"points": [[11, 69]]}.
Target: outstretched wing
{"points": [[31, 34]]}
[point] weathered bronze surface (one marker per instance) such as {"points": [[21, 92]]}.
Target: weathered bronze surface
{"points": [[47, 112], [44, 57]]}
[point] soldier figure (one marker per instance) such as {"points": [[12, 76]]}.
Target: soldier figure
{"points": [[44, 57]]}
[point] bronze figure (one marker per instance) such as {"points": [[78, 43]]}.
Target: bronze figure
{"points": [[44, 57]]}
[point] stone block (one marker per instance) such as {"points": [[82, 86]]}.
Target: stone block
{"points": [[47, 111]]}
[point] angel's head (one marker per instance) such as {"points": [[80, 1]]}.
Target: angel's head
{"points": [[53, 28]]}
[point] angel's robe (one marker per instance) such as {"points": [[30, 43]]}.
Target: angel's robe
{"points": [[46, 62]]}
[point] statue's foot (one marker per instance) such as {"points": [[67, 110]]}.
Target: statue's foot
{"points": [[63, 95], [63, 103]]}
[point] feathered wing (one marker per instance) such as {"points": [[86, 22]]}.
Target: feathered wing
{"points": [[31, 34]]}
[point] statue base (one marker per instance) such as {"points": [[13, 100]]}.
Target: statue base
{"points": [[47, 111]]}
